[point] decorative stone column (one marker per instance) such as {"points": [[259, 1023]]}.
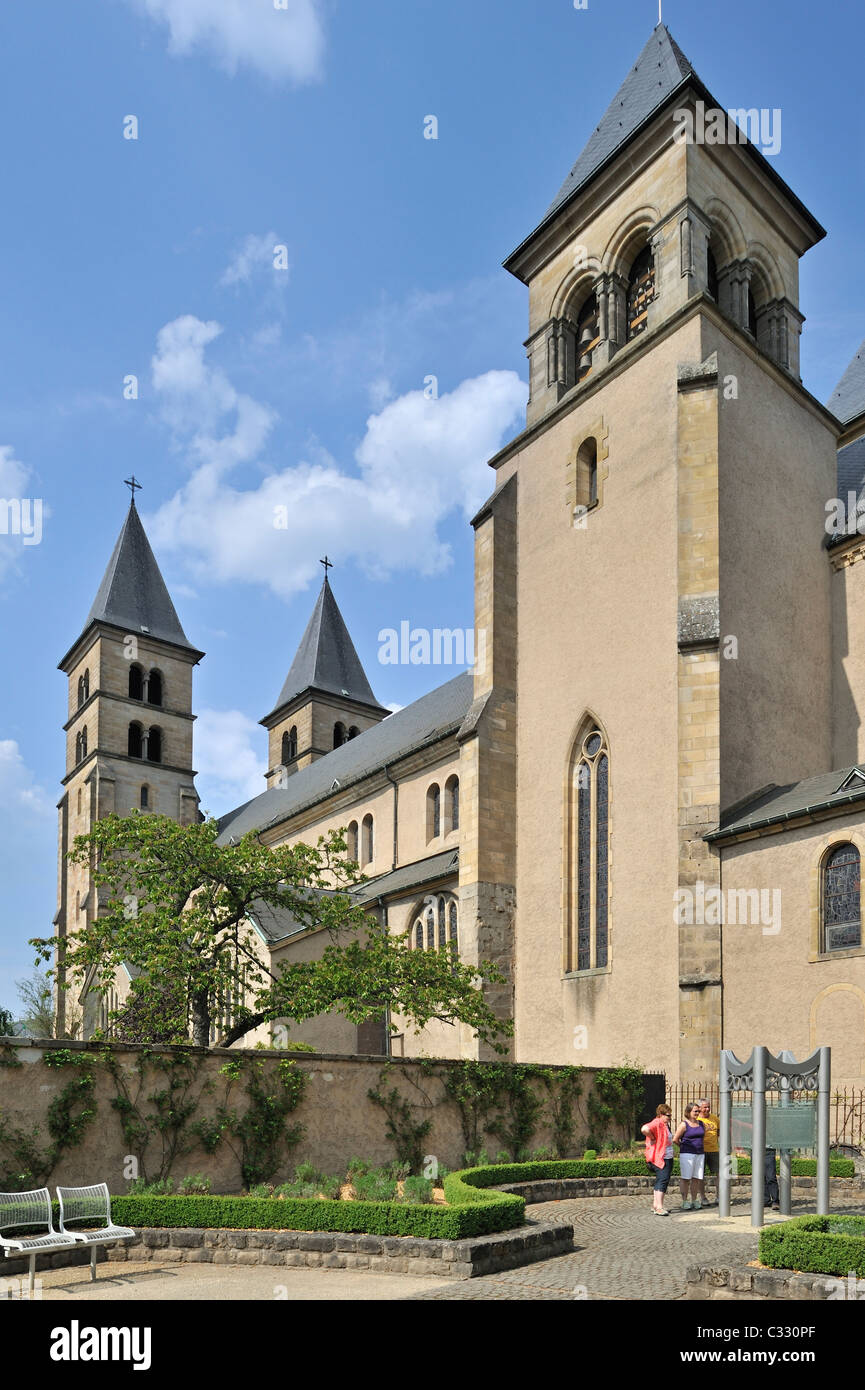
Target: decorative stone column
{"points": [[734, 282], [611, 293], [779, 325]]}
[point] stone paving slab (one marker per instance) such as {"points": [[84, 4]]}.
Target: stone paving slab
{"points": [[623, 1252]]}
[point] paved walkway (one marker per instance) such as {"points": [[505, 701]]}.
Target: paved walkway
{"points": [[621, 1251]]}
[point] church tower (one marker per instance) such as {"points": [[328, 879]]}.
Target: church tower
{"points": [[326, 698], [673, 644], [129, 724]]}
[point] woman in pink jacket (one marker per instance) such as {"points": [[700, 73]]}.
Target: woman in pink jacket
{"points": [[659, 1154]]}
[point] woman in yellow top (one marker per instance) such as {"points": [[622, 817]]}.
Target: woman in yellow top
{"points": [[711, 1129]]}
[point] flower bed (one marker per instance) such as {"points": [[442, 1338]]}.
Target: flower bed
{"points": [[816, 1245], [481, 1214]]}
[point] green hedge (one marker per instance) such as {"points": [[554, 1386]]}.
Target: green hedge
{"points": [[480, 1214], [496, 1173], [816, 1245]]}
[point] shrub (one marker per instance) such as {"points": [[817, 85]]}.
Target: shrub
{"points": [[375, 1186], [472, 1213], [160, 1187], [306, 1172], [590, 1155], [194, 1184], [816, 1245], [417, 1190], [357, 1166]]}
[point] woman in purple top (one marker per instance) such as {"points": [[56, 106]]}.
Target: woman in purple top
{"points": [[689, 1137]]}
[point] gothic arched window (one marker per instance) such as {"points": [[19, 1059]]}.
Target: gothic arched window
{"points": [[588, 944], [154, 687], [154, 745], [338, 735], [368, 843], [842, 911], [433, 811], [353, 731], [587, 473], [435, 924], [136, 682], [452, 804], [83, 688], [351, 841], [641, 292], [135, 741], [145, 798]]}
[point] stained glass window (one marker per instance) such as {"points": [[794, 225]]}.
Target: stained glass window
{"points": [[842, 921], [442, 925], [590, 943], [452, 925], [603, 862], [584, 874], [430, 930]]}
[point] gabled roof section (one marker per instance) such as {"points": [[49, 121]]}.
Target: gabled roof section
{"points": [[843, 789], [422, 723], [659, 70], [132, 594], [848, 399], [326, 659]]}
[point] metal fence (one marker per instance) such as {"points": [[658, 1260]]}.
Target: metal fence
{"points": [[847, 1106]]}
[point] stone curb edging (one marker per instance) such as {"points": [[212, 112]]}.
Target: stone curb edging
{"points": [[740, 1283], [448, 1259], [562, 1189]]}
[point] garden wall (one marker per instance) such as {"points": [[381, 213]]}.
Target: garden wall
{"points": [[338, 1118]]}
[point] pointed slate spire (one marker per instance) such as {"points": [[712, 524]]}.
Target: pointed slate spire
{"points": [[848, 399], [659, 70], [132, 594], [326, 659]]}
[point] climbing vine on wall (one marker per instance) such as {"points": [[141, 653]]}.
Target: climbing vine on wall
{"points": [[259, 1137], [27, 1159], [163, 1114]]}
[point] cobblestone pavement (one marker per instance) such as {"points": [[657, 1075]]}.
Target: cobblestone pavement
{"points": [[621, 1251]]}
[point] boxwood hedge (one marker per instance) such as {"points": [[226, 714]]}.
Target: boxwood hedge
{"points": [[481, 1214], [494, 1174], [816, 1245]]}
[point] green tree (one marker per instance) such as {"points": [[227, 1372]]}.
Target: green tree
{"points": [[37, 1003], [7, 1024], [175, 908]]}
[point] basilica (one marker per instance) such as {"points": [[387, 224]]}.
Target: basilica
{"points": [[646, 804]]}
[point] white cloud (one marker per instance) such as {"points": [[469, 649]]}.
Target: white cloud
{"points": [[230, 770], [198, 401], [281, 43], [255, 253], [418, 462], [18, 789]]}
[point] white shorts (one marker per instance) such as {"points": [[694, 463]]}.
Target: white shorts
{"points": [[691, 1166]]}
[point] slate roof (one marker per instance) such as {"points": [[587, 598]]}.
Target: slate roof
{"points": [[423, 722], [326, 659], [659, 70], [777, 804], [132, 594], [848, 399], [409, 876], [278, 924]]}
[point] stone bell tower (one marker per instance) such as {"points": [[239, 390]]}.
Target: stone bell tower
{"points": [[670, 484], [129, 718]]}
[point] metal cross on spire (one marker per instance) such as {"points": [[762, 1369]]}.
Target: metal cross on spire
{"points": [[133, 485], [328, 565]]}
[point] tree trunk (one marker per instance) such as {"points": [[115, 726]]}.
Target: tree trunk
{"points": [[200, 1019]]}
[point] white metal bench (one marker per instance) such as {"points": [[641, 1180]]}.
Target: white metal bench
{"points": [[92, 1205], [28, 1209]]}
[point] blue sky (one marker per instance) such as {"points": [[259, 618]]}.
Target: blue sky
{"points": [[302, 387]]}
